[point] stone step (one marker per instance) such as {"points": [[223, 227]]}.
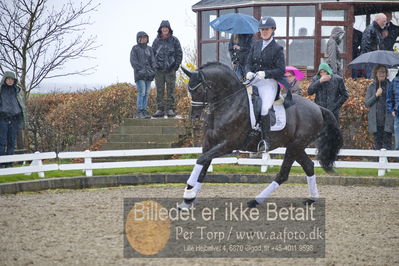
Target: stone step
{"points": [[173, 122], [147, 138], [124, 130], [133, 146]]}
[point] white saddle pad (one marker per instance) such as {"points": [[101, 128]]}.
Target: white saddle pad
{"points": [[279, 112]]}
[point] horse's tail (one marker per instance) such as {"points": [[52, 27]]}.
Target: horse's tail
{"points": [[330, 141]]}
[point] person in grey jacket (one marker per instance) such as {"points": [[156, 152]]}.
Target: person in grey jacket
{"points": [[380, 123], [168, 56], [329, 88], [12, 114], [143, 62], [332, 52]]}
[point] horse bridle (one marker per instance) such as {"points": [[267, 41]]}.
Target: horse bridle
{"points": [[206, 86]]}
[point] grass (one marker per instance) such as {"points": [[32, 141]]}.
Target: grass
{"points": [[223, 169]]}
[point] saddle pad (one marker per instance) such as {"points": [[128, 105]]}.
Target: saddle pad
{"points": [[279, 112]]}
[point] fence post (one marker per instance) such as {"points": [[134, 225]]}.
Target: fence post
{"points": [[210, 168], [37, 162], [383, 160], [89, 172], [266, 158]]}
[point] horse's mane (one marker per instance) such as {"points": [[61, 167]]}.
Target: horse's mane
{"points": [[220, 66]]}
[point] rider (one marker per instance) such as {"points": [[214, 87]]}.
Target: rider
{"points": [[265, 66]]}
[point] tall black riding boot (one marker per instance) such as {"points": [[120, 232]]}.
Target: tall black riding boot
{"points": [[264, 144]]}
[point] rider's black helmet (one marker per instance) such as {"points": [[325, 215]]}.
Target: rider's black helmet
{"points": [[266, 22]]}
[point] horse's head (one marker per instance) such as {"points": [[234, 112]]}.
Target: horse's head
{"points": [[197, 89], [210, 84]]}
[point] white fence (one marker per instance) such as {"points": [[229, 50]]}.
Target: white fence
{"points": [[267, 160]]}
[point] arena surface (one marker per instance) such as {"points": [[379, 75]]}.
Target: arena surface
{"points": [[85, 227]]}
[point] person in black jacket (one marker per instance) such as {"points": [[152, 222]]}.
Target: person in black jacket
{"points": [[239, 46], [143, 63], [168, 56], [265, 66], [391, 32], [329, 88], [372, 38]]}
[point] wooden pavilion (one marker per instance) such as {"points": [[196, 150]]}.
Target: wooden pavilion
{"points": [[303, 26]]}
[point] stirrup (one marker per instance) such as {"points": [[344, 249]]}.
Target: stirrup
{"points": [[265, 147]]}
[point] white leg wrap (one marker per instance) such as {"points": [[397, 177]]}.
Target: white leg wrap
{"points": [[314, 193], [197, 187], [192, 180], [266, 192]]}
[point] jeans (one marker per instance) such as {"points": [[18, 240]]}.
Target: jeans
{"points": [[8, 136], [168, 79], [143, 91], [396, 131]]}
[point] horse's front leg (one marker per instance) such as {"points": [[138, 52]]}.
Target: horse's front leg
{"points": [[194, 182]]}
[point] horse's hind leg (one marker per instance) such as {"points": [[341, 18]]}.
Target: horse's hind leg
{"points": [[281, 177], [308, 166]]}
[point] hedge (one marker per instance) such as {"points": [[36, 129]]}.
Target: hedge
{"points": [[82, 120]]}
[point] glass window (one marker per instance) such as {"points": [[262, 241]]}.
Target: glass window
{"points": [[207, 32], [301, 20], [279, 14], [225, 35], [246, 10], [301, 53], [333, 15], [208, 53], [224, 56]]}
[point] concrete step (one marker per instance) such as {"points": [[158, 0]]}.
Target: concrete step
{"points": [[125, 130], [151, 122], [132, 146], [147, 138]]}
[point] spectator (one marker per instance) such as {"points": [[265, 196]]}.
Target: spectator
{"points": [[393, 106], [332, 52], [12, 114], [391, 32], [380, 123], [239, 46], [301, 51], [168, 56], [143, 63], [295, 84], [372, 38], [329, 88]]}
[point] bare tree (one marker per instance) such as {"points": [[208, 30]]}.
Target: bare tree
{"points": [[37, 39]]}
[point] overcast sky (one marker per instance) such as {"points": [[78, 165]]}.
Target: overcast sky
{"points": [[116, 24]]}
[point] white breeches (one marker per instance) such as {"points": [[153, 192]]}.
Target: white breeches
{"points": [[267, 91]]}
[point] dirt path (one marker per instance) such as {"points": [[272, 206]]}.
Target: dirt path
{"points": [[86, 226]]}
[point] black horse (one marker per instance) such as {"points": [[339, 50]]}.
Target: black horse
{"points": [[227, 128]]}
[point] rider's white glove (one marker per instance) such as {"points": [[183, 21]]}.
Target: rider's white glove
{"points": [[250, 75], [260, 74]]}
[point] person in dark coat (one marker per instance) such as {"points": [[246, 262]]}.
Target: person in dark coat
{"points": [[356, 41], [380, 123], [239, 46], [391, 31], [12, 114], [372, 38], [332, 51], [168, 56], [329, 88], [143, 62], [266, 59]]}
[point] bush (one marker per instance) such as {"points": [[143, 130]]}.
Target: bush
{"points": [[76, 121]]}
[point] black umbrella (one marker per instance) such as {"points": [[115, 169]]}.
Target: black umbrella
{"points": [[379, 57]]}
